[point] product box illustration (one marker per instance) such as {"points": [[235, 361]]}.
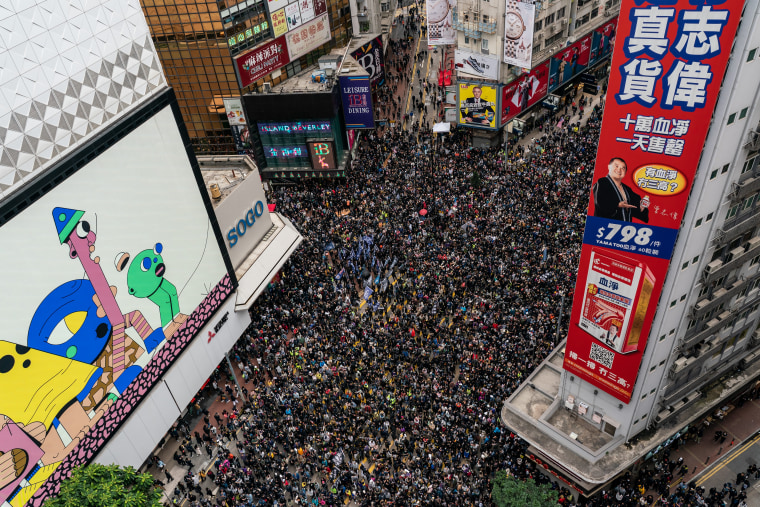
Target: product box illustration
{"points": [[615, 302]]}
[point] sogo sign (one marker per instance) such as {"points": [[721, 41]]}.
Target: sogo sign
{"points": [[244, 218]]}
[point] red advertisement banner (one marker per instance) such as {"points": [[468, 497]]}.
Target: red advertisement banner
{"points": [[667, 67], [262, 60], [524, 92]]}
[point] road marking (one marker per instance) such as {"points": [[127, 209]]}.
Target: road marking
{"points": [[722, 464]]}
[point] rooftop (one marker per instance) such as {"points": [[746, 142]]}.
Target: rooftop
{"points": [[577, 448]]}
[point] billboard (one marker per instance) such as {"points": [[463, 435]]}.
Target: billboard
{"points": [[276, 5], [356, 97], [106, 294], [309, 36], [320, 7], [307, 10], [279, 23], [518, 33], [440, 22], [569, 62], [602, 41], [370, 57], [293, 15], [244, 218], [485, 67], [477, 105], [524, 92], [322, 154], [261, 60], [667, 68]]}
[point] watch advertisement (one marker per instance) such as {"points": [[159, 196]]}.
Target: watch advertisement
{"points": [[524, 92], [518, 33], [477, 105], [440, 26], [474, 64], [661, 96]]}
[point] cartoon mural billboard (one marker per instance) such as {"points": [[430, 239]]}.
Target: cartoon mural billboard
{"points": [[105, 279]]}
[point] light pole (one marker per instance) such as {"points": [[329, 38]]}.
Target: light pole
{"points": [[559, 317]]}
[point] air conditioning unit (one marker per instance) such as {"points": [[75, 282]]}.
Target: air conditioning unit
{"points": [[564, 23], [540, 36], [267, 87], [753, 242], [714, 265]]}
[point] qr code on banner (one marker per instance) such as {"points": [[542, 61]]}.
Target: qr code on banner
{"points": [[601, 355]]}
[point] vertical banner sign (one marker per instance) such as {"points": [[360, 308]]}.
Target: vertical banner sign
{"points": [[260, 61], [356, 95], [477, 105], [440, 22], [234, 110], [370, 57], [524, 92], [667, 68], [518, 33]]}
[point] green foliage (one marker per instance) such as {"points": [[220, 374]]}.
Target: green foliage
{"points": [[475, 180], [510, 492], [107, 486]]}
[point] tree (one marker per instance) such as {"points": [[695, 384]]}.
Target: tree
{"points": [[475, 179], [107, 486], [508, 491]]}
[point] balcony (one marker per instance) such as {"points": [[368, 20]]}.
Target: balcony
{"points": [[472, 27]]}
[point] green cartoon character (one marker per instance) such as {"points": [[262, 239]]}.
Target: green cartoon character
{"points": [[145, 279]]}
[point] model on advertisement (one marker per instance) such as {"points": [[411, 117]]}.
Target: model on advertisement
{"points": [[615, 200], [476, 110]]}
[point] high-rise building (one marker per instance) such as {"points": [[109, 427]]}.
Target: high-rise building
{"points": [[200, 41], [527, 54], [663, 335]]}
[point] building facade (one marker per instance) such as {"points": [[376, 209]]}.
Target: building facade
{"points": [[701, 352]]}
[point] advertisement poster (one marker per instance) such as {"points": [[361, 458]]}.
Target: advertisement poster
{"points": [[356, 96], [518, 33], [524, 92], [667, 68], [307, 10], [603, 40], [279, 23], [322, 155], [320, 7], [370, 57], [569, 62], [118, 292], [477, 105], [440, 22], [485, 67], [293, 15], [308, 37], [260, 61]]}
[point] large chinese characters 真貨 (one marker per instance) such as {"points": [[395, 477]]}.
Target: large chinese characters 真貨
{"points": [[667, 67]]}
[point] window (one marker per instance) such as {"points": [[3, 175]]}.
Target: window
{"points": [[594, 12], [709, 217], [754, 260], [731, 118], [549, 19], [732, 212], [561, 13], [724, 169], [484, 46], [673, 303], [466, 40], [682, 297], [748, 202], [644, 396], [696, 259], [662, 337], [653, 368], [748, 164], [538, 24], [485, 18], [699, 222], [684, 266], [662, 362], [751, 55], [713, 174], [743, 113]]}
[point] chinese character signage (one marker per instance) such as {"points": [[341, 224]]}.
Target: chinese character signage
{"points": [[370, 57], [518, 33], [260, 61], [356, 96], [484, 67], [667, 67], [477, 105], [322, 155], [308, 37], [524, 92], [285, 151], [293, 15], [279, 22], [440, 27], [307, 10]]}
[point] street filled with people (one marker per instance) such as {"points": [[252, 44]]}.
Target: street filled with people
{"points": [[429, 285]]}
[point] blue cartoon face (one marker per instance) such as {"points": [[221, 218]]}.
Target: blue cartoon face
{"points": [[67, 323], [146, 271]]}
